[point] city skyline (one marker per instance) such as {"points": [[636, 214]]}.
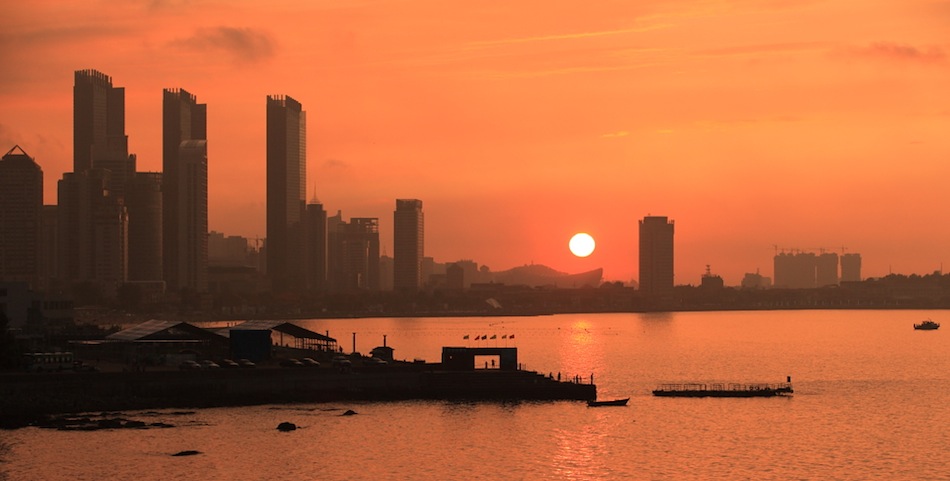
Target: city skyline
{"points": [[748, 129]]}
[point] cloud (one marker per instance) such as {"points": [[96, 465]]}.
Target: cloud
{"points": [[898, 52], [567, 36], [335, 164], [244, 45], [621, 133]]}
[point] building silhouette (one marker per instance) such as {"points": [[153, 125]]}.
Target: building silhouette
{"points": [[92, 211], [656, 255], [826, 269], [408, 245], [286, 202], [99, 138], [184, 191], [360, 253], [316, 246], [795, 270], [851, 268], [144, 203], [21, 218]]}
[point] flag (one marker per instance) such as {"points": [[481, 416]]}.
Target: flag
{"points": [[511, 336], [504, 336], [465, 336], [494, 336], [485, 336]]}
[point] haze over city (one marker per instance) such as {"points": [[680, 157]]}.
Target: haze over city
{"points": [[801, 125]]}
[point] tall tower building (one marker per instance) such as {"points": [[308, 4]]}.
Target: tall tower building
{"points": [[184, 191], [851, 268], [316, 230], [21, 217], [93, 218], [360, 253], [286, 201], [144, 203], [93, 231], [656, 255], [99, 138], [826, 269], [408, 244]]}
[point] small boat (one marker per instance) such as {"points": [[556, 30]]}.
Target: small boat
{"points": [[612, 402], [927, 325]]}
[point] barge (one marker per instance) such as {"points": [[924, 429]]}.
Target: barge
{"points": [[724, 389]]}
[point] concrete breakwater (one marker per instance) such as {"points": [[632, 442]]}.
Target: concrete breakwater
{"points": [[31, 396]]}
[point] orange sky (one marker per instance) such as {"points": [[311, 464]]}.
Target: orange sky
{"points": [[802, 124]]}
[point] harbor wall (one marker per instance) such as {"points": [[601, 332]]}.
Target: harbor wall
{"points": [[23, 396]]}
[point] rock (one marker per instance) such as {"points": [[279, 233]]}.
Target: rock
{"points": [[349, 412], [286, 426], [187, 453]]}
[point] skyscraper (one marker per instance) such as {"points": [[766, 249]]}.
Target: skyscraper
{"points": [[144, 203], [93, 218], [851, 268], [316, 230], [408, 244], [99, 138], [184, 191], [93, 231], [286, 201], [21, 217], [656, 255]]}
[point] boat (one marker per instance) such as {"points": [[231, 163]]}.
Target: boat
{"points": [[724, 390], [612, 402], [927, 325]]}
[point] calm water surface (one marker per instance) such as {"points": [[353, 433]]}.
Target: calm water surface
{"points": [[872, 401]]}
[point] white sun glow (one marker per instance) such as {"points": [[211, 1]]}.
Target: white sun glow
{"points": [[582, 244]]}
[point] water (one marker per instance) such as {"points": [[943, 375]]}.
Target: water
{"points": [[871, 402]]}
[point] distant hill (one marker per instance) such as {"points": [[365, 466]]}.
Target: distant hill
{"points": [[537, 275]]}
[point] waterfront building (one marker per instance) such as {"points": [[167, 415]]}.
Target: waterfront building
{"points": [[851, 268], [795, 270], [93, 231], [408, 245], [656, 255], [756, 281], [99, 139], [286, 202], [385, 273], [144, 204], [21, 218], [229, 250], [826, 269], [184, 191], [49, 247], [316, 246], [360, 254]]}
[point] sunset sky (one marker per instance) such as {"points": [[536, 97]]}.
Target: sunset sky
{"points": [[752, 124]]}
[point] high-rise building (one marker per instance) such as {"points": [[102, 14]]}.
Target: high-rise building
{"points": [[360, 253], [795, 270], [851, 268], [49, 257], [93, 217], [184, 191], [21, 218], [99, 139], [286, 201], [656, 255], [408, 245], [316, 249], [93, 231], [144, 203], [826, 269]]}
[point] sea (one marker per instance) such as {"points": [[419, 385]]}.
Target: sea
{"points": [[871, 401]]}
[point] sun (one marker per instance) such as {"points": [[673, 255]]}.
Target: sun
{"points": [[582, 244]]}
